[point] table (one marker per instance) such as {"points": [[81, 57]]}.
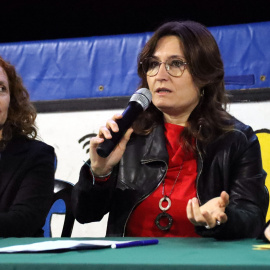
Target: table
{"points": [[170, 253]]}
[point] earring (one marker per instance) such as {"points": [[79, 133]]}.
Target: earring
{"points": [[202, 93]]}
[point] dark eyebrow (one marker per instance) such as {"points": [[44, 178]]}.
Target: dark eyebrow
{"points": [[177, 57], [4, 83], [171, 57]]}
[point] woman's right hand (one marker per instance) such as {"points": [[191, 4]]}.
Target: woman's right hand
{"points": [[102, 166], [267, 233]]}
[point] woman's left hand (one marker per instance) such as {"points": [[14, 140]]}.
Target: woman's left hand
{"points": [[211, 213]]}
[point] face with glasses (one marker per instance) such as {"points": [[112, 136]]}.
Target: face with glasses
{"points": [[170, 82], [174, 66]]}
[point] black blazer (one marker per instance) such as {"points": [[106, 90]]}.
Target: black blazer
{"points": [[26, 187]]}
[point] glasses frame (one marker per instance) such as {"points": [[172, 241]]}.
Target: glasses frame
{"points": [[166, 67]]}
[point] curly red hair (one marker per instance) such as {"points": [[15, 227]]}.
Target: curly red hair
{"points": [[21, 113]]}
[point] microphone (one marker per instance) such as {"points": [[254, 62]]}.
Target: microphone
{"points": [[138, 102]]}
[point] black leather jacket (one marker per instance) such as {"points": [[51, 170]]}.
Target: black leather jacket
{"points": [[232, 163]]}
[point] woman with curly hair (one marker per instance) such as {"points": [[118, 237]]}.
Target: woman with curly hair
{"points": [[26, 164], [186, 168]]}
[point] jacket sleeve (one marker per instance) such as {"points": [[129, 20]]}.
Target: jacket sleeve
{"points": [[248, 196], [33, 183], [91, 200]]}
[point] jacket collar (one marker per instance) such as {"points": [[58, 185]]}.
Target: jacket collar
{"points": [[16, 146], [156, 146]]}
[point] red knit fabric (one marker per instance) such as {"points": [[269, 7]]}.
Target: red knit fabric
{"points": [[142, 220]]}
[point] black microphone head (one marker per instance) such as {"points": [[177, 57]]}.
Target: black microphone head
{"points": [[138, 102], [143, 96]]}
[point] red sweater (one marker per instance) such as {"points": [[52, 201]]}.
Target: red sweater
{"points": [[142, 220]]}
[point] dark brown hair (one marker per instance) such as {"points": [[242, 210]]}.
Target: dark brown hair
{"points": [[209, 119], [21, 113]]}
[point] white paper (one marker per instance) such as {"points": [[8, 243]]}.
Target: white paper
{"points": [[60, 245]]}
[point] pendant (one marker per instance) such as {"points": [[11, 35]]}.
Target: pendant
{"points": [[165, 199], [164, 215], [168, 217]]}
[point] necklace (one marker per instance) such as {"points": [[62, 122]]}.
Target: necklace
{"points": [[166, 198]]}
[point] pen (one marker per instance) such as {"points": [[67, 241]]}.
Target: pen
{"points": [[136, 243]]}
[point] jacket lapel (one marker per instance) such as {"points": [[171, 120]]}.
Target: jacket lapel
{"points": [[156, 143]]}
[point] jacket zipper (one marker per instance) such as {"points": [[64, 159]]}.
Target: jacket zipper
{"points": [[199, 174], [144, 197]]}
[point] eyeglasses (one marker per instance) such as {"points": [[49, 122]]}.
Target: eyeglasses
{"points": [[174, 67]]}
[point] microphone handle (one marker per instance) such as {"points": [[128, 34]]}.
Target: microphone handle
{"points": [[129, 116]]}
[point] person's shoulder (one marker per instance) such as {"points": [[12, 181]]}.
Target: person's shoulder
{"points": [[240, 125], [240, 132], [32, 144], [243, 128], [40, 145]]}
